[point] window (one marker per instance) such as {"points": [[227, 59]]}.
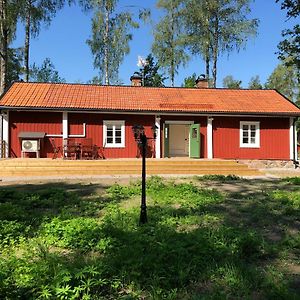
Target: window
{"points": [[114, 134], [249, 135]]}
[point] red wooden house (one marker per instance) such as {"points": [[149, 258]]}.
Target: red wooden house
{"points": [[199, 122]]}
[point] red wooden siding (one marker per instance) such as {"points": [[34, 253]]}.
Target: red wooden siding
{"points": [[49, 122], [197, 120], [94, 130], [274, 139]]}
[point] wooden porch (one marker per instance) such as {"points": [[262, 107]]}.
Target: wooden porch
{"points": [[171, 166]]}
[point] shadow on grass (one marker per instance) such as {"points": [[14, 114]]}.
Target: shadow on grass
{"points": [[184, 252]]}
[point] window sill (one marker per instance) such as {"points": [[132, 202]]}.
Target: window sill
{"points": [[250, 146], [114, 146]]}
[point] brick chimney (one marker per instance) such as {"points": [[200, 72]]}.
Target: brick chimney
{"points": [[136, 79], [202, 82]]}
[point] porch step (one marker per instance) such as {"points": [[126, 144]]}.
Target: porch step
{"points": [[59, 168]]}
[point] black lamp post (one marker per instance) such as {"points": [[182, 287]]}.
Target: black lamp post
{"points": [[141, 139]]}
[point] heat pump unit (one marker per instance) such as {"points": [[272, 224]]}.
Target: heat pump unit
{"points": [[30, 145]]}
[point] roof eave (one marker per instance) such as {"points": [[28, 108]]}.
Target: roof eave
{"points": [[73, 109]]}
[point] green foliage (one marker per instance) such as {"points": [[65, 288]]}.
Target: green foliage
{"points": [[255, 83], [230, 83], [77, 233], [214, 27], [284, 79], [221, 178], [61, 245], [292, 180], [150, 73], [289, 48], [110, 37], [169, 45], [14, 66], [190, 81], [45, 73]]}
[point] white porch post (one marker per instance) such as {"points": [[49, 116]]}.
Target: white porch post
{"points": [[293, 140], [5, 132], [64, 127], [209, 138], [296, 143], [158, 137]]}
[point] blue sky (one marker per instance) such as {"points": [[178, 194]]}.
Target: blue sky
{"points": [[64, 42]]}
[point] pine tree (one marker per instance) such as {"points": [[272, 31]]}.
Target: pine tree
{"points": [[150, 73], [230, 83], [45, 73], [255, 83]]}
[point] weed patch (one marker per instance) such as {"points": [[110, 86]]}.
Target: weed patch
{"points": [[61, 245]]}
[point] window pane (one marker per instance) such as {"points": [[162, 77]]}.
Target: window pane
{"points": [[245, 140], [253, 134], [118, 140], [253, 127], [252, 140], [109, 133], [118, 133], [109, 140], [245, 127]]}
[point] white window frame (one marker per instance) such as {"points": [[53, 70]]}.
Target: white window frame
{"points": [[257, 134], [113, 123]]}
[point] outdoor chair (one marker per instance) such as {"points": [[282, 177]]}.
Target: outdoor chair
{"points": [[56, 149], [87, 148], [71, 149]]}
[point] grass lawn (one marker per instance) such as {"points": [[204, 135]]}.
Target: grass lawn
{"points": [[210, 237]]}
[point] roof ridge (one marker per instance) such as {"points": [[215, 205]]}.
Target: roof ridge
{"points": [[139, 87]]}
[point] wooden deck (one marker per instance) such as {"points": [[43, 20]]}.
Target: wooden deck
{"points": [[61, 168]]}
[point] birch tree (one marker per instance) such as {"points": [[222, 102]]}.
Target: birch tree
{"points": [[218, 26], [8, 20], [111, 34], [168, 46], [34, 13]]}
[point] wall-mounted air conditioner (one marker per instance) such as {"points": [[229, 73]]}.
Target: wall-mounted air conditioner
{"points": [[30, 145]]}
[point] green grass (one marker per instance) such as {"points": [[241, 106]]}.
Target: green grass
{"points": [[198, 244]]}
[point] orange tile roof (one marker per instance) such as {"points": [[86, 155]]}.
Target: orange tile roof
{"points": [[23, 95]]}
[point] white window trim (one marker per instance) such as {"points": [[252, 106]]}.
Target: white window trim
{"points": [[257, 134], [113, 122]]}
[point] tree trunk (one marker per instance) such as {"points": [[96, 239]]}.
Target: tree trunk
{"points": [[106, 46], [27, 41], [172, 70], [3, 46], [215, 51], [207, 63]]}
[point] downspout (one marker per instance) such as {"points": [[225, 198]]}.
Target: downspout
{"points": [[295, 158]]}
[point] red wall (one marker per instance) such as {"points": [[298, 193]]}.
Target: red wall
{"points": [[274, 139], [274, 133], [94, 130], [49, 122]]}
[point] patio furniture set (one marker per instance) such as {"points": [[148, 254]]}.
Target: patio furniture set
{"points": [[72, 149]]}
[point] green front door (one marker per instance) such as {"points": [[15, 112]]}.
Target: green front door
{"points": [[195, 140], [166, 140]]}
